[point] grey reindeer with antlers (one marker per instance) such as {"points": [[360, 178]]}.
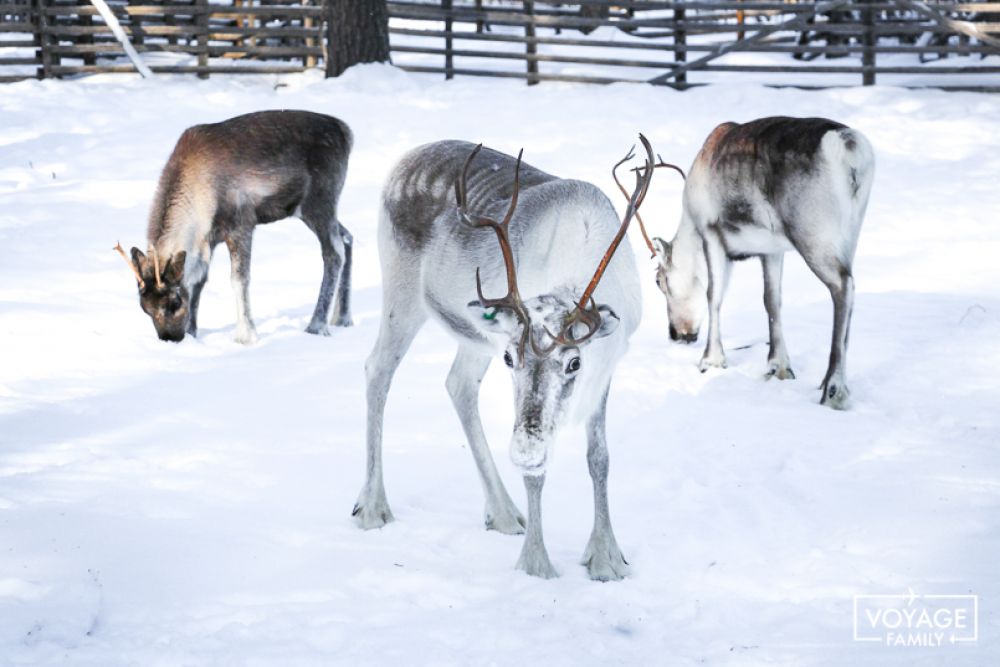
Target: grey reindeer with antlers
{"points": [[561, 343]]}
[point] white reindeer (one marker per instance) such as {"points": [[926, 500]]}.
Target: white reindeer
{"points": [[438, 260], [760, 189]]}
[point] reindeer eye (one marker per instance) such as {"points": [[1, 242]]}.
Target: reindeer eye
{"points": [[573, 365], [507, 359]]}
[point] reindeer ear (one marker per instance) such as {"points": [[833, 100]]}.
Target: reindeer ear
{"points": [[662, 248], [143, 264], [174, 271], [609, 322], [492, 320]]}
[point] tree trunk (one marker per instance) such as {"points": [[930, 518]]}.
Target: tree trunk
{"points": [[357, 32]]}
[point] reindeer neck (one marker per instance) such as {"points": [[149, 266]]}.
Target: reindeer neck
{"points": [[181, 220], [688, 241]]}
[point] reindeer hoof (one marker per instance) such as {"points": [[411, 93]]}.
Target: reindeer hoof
{"points": [[345, 321], [508, 521], [246, 337], [836, 396], [711, 362], [318, 329], [604, 560], [372, 514], [780, 372], [535, 562]]}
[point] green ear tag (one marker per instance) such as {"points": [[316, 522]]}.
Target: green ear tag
{"points": [[490, 316]]}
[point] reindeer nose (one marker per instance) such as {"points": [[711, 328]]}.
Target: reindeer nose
{"points": [[171, 336], [682, 338], [528, 454]]}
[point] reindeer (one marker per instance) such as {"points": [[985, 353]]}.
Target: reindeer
{"points": [[760, 189], [561, 344], [220, 182]]}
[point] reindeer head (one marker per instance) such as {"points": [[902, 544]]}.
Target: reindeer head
{"points": [[546, 366], [684, 284], [162, 294], [545, 371], [683, 281]]}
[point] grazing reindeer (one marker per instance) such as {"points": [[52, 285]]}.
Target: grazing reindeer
{"points": [[219, 183], [561, 348], [760, 189]]}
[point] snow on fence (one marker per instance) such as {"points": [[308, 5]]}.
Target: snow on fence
{"points": [[674, 43]]}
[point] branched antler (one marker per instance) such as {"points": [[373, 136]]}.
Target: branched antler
{"points": [[511, 300], [661, 163], [586, 311], [131, 265], [642, 224]]}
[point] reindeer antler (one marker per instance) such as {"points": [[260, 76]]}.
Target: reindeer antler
{"points": [[156, 267], [661, 163], [586, 311], [642, 225], [131, 265], [511, 300]]}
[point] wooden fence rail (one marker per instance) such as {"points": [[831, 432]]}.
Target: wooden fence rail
{"points": [[665, 42]]}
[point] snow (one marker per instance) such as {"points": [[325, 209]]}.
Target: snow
{"points": [[186, 504]]}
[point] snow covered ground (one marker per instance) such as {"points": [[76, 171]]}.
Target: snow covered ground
{"points": [[190, 504]]}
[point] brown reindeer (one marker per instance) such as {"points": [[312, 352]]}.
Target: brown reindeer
{"points": [[220, 182]]}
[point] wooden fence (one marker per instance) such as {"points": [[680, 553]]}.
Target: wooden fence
{"points": [[18, 58], [675, 42], [175, 36], [666, 42]]}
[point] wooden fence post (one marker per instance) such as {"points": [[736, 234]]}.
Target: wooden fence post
{"points": [[680, 44], [309, 42], [449, 42], [87, 21], [44, 39], [36, 35], [868, 55], [531, 46], [201, 21]]}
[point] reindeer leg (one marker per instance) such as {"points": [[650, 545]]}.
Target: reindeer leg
{"points": [[402, 317], [343, 304], [836, 275], [777, 358], [534, 559], [319, 212], [333, 260], [841, 286], [718, 270], [192, 328], [463, 386], [239, 244], [602, 557]]}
